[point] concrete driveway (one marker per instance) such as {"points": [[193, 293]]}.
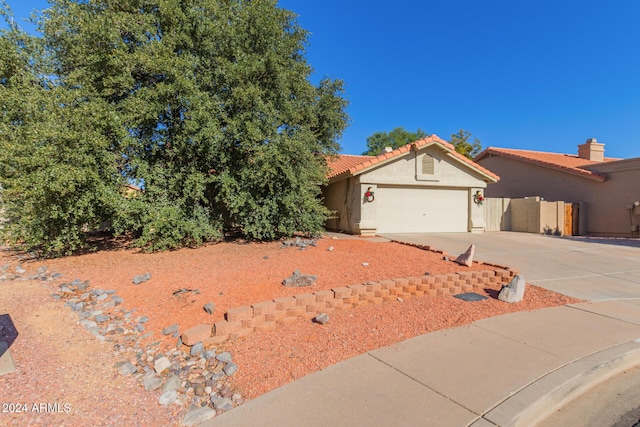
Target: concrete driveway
{"points": [[587, 268]]}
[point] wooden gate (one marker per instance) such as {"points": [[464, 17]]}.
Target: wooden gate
{"points": [[571, 226]]}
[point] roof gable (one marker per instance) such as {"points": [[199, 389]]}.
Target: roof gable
{"points": [[349, 165], [567, 163]]}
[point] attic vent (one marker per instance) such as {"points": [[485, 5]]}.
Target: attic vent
{"points": [[427, 165]]}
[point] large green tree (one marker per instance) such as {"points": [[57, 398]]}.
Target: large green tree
{"points": [[58, 177], [207, 104], [462, 143], [398, 137]]}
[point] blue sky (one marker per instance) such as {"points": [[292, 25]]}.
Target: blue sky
{"points": [[543, 75]]}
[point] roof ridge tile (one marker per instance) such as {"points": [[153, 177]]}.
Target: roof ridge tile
{"points": [[354, 163], [548, 159]]}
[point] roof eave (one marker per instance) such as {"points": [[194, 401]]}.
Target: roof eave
{"points": [[339, 177], [429, 141], [583, 173], [383, 159]]}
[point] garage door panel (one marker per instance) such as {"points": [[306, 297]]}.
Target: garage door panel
{"points": [[421, 210]]}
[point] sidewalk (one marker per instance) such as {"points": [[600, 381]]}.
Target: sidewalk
{"points": [[510, 370]]}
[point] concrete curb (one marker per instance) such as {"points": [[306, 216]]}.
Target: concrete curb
{"points": [[538, 400]]}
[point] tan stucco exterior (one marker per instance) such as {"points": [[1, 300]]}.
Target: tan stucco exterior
{"points": [[345, 194], [605, 206], [528, 215], [342, 198], [532, 215]]}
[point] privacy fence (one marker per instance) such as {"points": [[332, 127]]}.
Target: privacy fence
{"points": [[532, 215]]}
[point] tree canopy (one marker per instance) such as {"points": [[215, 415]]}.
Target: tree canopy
{"points": [[461, 142], [205, 104], [398, 137]]}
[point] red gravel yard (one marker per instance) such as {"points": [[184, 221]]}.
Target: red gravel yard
{"points": [[235, 274]]}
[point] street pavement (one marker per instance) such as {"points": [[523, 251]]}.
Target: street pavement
{"points": [[613, 403], [510, 370]]}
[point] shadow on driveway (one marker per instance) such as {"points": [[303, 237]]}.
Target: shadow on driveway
{"points": [[617, 241]]}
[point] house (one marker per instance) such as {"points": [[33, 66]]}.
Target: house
{"points": [[425, 186], [607, 190]]}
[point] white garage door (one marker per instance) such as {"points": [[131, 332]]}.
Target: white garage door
{"points": [[421, 210]]}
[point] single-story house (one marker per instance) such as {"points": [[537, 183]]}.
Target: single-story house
{"points": [[606, 190], [425, 186]]}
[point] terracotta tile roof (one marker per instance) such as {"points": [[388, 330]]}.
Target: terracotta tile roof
{"points": [[569, 163], [343, 163], [354, 165], [132, 187]]}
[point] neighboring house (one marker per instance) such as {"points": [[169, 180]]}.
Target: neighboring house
{"points": [[130, 191], [425, 186], [607, 190]]}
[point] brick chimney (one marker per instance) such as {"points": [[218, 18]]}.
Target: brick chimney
{"points": [[591, 150]]}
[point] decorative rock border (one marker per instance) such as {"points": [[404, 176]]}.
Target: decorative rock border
{"points": [[265, 315], [197, 379]]}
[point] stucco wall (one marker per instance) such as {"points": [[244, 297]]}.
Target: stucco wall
{"points": [[402, 171], [551, 218], [519, 179], [609, 207], [530, 215], [351, 214], [339, 198], [603, 209], [449, 174], [497, 214], [525, 215]]}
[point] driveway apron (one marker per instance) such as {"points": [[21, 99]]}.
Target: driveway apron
{"points": [[590, 269]]}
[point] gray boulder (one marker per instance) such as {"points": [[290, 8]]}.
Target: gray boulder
{"points": [[127, 369], [222, 404], [161, 364], [514, 291], [101, 318], [141, 278], [171, 384], [209, 307], [168, 397], [322, 318], [197, 416], [298, 279], [197, 349], [230, 369], [224, 357], [88, 323], [170, 329], [152, 382]]}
